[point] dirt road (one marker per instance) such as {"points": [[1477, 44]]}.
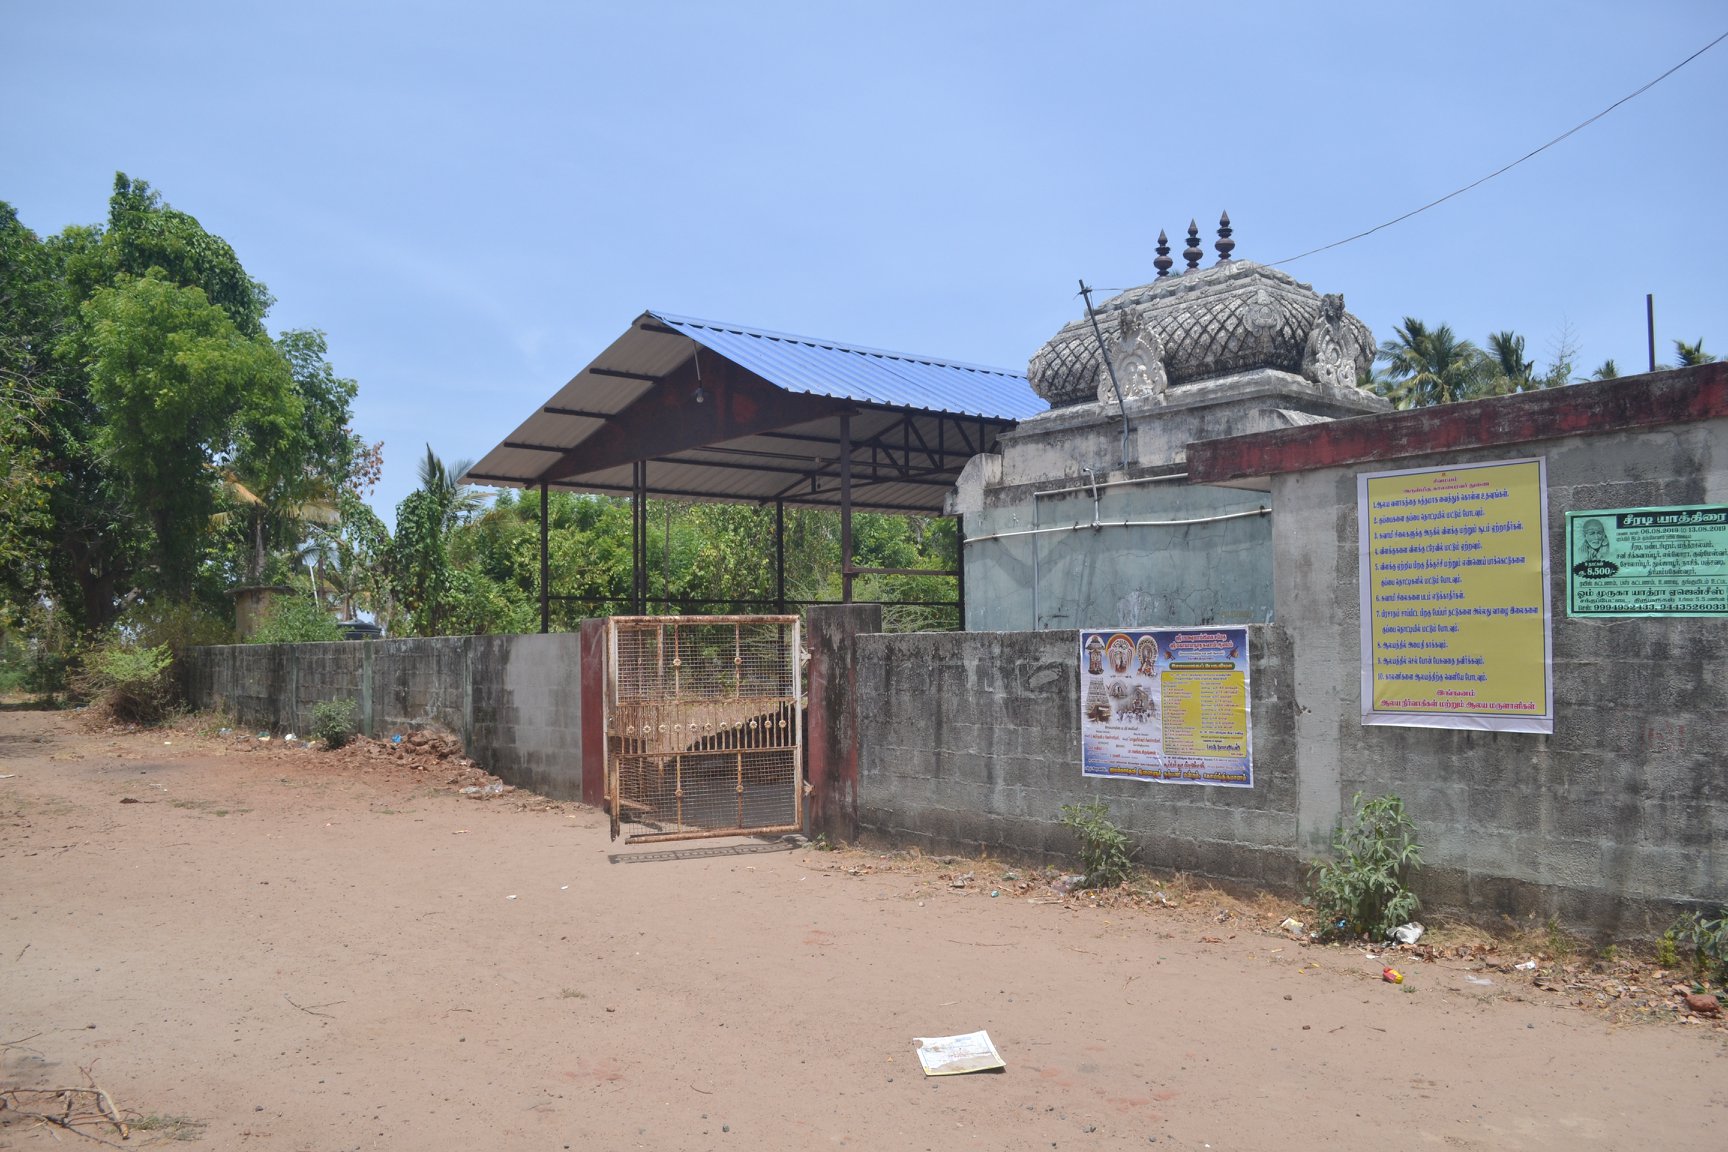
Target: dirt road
{"points": [[273, 949]]}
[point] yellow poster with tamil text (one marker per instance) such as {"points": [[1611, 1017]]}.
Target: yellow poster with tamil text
{"points": [[1454, 590]]}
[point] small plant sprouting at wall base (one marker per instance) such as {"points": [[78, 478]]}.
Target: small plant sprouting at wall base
{"points": [[334, 722], [1706, 943], [1104, 847], [1363, 889]]}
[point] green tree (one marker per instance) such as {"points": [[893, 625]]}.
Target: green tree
{"points": [[144, 233], [30, 312], [421, 577], [84, 554], [1432, 366], [155, 399], [436, 595], [178, 388], [454, 502], [356, 555], [1692, 354], [291, 488], [1608, 370], [1512, 373]]}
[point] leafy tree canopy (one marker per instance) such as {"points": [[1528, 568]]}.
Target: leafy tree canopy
{"points": [[178, 388], [159, 442]]}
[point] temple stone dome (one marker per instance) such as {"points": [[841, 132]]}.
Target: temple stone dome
{"points": [[1237, 316]]}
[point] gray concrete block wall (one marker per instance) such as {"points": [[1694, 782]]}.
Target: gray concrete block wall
{"points": [[420, 680], [1216, 572], [527, 710], [971, 742], [1617, 819], [320, 672], [253, 683], [514, 700]]}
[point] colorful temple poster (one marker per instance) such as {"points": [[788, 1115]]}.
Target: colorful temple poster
{"points": [[1166, 705]]}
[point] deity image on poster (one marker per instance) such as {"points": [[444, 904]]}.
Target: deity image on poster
{"points": [[1120, 651], [1148, 650]]}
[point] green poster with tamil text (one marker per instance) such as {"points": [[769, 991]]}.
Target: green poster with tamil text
{"points": [[1648, 561]]}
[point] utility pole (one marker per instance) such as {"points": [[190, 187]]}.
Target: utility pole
{"points": [[1104, 350]]}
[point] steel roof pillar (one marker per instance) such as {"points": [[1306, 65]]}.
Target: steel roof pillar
{"points": [[639, 538], [846, 507], [780, 557], [545, 568]]}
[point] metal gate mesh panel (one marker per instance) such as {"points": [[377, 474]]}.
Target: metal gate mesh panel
{"points": [[703, 731]]}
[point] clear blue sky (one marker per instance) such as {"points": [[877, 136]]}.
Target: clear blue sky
{"points": [[473, 200]]}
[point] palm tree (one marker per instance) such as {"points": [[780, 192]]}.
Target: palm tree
{"points": [[1608, 371], [1432, 366], [458, 503], [1692, 354], [1512, 373], [272, 525]]}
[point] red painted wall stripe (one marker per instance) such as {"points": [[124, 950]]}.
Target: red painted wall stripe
{"points": [[1682, 396]]}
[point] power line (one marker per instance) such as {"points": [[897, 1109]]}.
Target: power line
{"points": [[1514, 164]]}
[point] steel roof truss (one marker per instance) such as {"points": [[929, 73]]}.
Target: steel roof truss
{"points": [[668, 418]]}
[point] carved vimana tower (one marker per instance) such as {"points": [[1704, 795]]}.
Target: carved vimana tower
{"points": [[1072, 524]]}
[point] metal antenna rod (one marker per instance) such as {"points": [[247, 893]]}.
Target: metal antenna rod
{"points": [[1650, 325], [1086, 294]]}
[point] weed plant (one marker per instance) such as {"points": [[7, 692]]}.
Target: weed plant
{"points": [[1706, 941], [1104, 848], [1363, 890], [296, 620], [1668, 949], [335, 722]]}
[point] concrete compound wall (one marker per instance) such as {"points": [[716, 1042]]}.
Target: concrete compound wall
{"points": [[1189, 565], [971, 741], [1619, 816], [1615, 822], [515, 700]]}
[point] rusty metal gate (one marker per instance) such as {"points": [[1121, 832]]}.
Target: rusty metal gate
{"points": [[704, 732]]}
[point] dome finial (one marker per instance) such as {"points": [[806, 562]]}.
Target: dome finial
{"points": [[1193, 252], [1163, 263], [1225, 245]]}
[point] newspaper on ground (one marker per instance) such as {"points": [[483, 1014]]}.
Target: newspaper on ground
{"points": [[952, 1055]]}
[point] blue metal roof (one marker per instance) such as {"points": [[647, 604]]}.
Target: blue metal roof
{"points": [[867, 375]]}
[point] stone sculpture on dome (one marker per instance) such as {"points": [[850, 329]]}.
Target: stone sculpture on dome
{"points": [[1336, 352], [1139, 362]]}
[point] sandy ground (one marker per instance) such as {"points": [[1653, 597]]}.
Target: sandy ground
{"points": [[277, 949]]}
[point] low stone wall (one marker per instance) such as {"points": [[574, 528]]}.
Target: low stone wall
{"points": [[515, 700], [1616, 820], [971, 742]]}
